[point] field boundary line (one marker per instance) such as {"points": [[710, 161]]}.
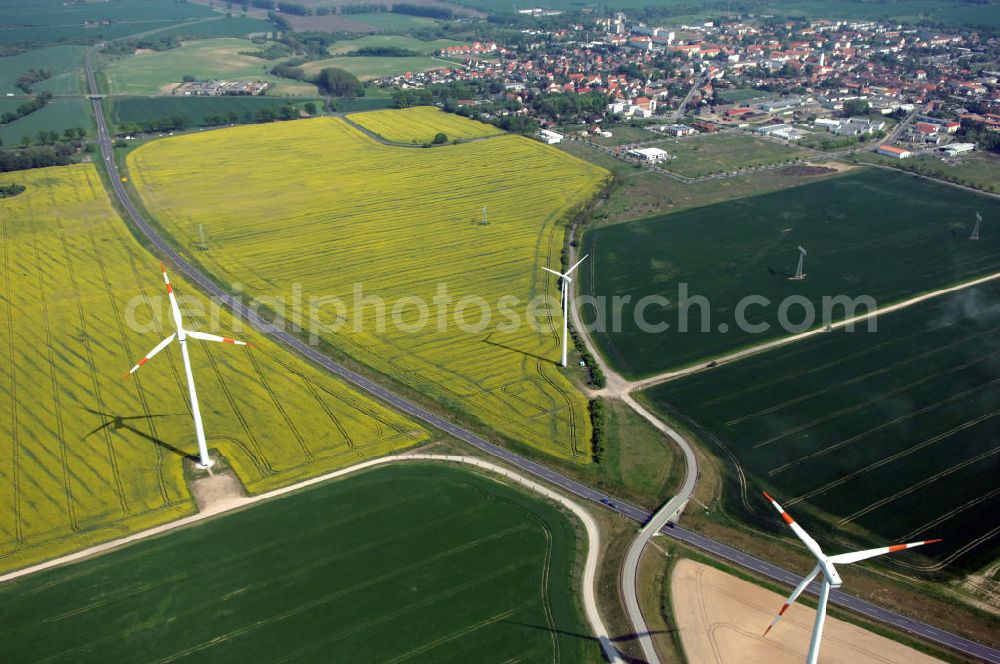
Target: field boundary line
{"points": [[590, 527], [668, 376]]}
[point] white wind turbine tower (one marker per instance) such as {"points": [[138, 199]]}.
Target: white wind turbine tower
{"points": [[182, 336], [831, 579], [975, 229], [564, 296], [799, 274]]}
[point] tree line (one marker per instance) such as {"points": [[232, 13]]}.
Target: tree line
{"points": [[26, 108], [59, 154], [26, 79], [332, 81], [297, 9], [179, 122]]}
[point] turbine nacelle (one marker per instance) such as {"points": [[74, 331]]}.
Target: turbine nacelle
{"points": [[830, 572]]}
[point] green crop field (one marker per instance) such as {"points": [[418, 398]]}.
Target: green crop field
{"points": [[394, 22], [50, 21], [416, 562], [721, 153], [87, 456], [421, 124], [338, 216], [147, 109], [870, 437], [740, 95], [975, 169], [57, 115], [355, 105], [65, 63], [946, 12], [367, 67], [159, 72], [869, 232], [221, 26], [390, 41]]}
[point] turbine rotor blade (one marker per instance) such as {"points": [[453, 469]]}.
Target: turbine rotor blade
{"points": [[855, 556], [810, 543], [173, 299], [204, 336], [160, 346], [558, 274], [806, 580], [576, 265]]}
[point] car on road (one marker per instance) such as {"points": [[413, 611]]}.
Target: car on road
{"points": [[605, 501]]}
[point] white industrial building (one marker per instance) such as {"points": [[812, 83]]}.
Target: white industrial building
{"points": [[549, 137], [955, 149], [652, 155], [783, 131]]}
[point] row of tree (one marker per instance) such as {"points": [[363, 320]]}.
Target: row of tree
{"points": [[296, 9], [26, 108], [128, 46], [332, 81], [59, 154], [383, 52], [27, 79], [599, 429], [178, 122]]}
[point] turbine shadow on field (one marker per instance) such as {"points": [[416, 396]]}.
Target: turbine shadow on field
{"points": [[778, 273], [614, 639], [512, 349], [118, 422]]}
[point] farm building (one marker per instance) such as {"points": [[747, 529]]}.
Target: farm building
{"points": [[549, 137], [219, 88], [652, 155], [894, 152]]}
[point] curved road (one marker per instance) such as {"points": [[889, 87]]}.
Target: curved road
{"points": [[418, 412]]}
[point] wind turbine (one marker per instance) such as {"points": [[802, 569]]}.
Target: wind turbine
{"points": [[564, 296], [798, 271], [831, 579], [975, 229], [182, 336]]}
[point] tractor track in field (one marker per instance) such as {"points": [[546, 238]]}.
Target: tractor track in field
{"points": [[89, 354], [161, 479], [566, 484], [397, 144], [589, 572], [54, 380], [14, 439]]}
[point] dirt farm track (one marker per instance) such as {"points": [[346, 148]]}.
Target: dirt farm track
{"points": [[721, 619]]}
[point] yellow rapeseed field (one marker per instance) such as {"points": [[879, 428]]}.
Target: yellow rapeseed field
{"points": [[421, 124], [314, 208], [86, 456]]}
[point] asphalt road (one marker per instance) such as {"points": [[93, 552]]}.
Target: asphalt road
{"points": [[567, 484]]}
